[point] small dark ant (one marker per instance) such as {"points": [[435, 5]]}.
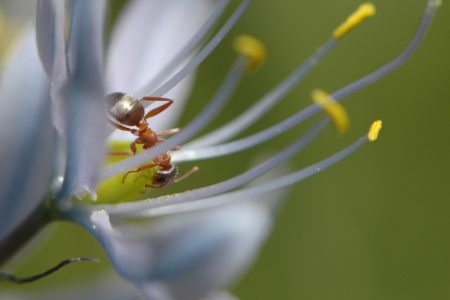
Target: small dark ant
{"points": [[127, 112]]}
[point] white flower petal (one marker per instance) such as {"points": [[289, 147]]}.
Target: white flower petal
{"points": [[189, 256], [49, 32], [26, 147], [148, 35], [50, 24], [85, 106]]}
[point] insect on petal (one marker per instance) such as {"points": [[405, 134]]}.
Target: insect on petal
{"points": [[147, 37]]}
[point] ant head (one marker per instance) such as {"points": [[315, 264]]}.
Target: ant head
{"points": [[125, 109], [164, 177]]}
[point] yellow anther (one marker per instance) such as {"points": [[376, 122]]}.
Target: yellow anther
{"points": [[374, 130], [364, 11], [252, 48], [334, 109]]}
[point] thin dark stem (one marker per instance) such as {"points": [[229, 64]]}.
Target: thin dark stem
{"points": [[15, 239], [14, 279]]}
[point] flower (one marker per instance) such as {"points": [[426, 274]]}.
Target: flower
{"points": [[202, 239]]}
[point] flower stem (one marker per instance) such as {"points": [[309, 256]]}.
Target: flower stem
{"points": [[15, 239]]}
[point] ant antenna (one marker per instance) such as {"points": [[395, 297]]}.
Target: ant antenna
{"points": [[186, 175], [19, 280]]}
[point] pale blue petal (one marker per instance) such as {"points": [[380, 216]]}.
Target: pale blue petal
{"points": [[26, 146], [50, 36], [148, 35], [85, 108], [188, 256], [50, 32]]}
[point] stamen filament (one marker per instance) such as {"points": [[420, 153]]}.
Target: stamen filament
{"points": [[246, 119], [262, 188], [308, 112], [226, 185], [252, 114], [259, 189], [246, 193], [247, 142], [201, 56], [184, 52], [222, 95], [195, 154], [430, 10]]}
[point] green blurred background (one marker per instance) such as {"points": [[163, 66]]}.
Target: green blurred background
{"points": [[376, 226]]}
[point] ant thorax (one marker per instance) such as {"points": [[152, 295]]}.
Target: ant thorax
{"points": [[125, 109]]}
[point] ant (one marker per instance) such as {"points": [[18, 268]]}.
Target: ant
{"points": [[127, 112]]}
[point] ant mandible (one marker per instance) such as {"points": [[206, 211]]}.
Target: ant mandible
{"points": [[128, 111]]}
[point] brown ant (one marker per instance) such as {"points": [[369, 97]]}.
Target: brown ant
{"points": [[127, 112]]}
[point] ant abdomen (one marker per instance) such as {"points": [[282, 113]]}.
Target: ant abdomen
{"points": [[125, 109]]}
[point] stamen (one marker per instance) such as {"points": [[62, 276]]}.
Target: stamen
{"points": [[246, 193], [183, 52], [374, 130], [201, 56], [226, 185], [219, 99], [252, 114], [196, 154], [363, 12], [334, 109], [430, 11], [252, 48], [297, 118]]}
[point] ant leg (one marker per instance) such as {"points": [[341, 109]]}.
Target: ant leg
{"points": [[120, 153], [186, 175], [133, 148], [121, 127], [159, 109], [168, 131], [141, 168]]}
